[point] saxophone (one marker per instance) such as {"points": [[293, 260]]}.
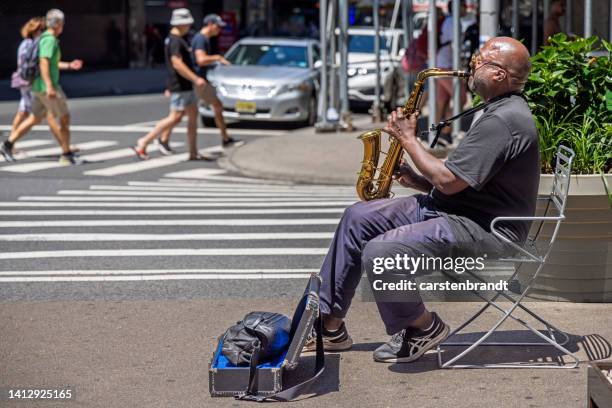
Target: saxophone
{"points": [[369, 188]]}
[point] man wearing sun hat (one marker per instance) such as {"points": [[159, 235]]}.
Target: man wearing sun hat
{"points": [[181, 82]]}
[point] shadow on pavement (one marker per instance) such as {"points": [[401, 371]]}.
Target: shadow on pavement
{"points": [[595, 348], [328, 382], [366, 346]]}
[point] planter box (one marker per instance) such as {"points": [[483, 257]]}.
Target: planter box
{"points": [[579, 267], [599, 388]]}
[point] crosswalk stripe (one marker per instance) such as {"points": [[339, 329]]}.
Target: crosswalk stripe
{"points": [[132, 203], [143, 278], [109, 155], [165, 222], [231, 179], [20, 213], [218, 187], [31, 143], [196, 173], [88, 158], [146, 129], [117, 154], [229, 201], [141, 193], [212, 272], [55, 151], [138, 166], [111, 253], [164, 237]]}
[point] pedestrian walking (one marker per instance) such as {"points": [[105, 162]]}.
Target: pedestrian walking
{"points": [[204, 59], [181, 82], [552, 25], [444, 60], [47, 95]]}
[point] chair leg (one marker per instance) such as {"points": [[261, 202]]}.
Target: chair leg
{"points": [[548, 340], [491, 302]]}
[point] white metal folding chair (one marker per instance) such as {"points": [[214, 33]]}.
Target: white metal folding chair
{"points": [[528, 253]]}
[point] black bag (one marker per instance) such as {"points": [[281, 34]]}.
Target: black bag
{"points": [[259, 337]]}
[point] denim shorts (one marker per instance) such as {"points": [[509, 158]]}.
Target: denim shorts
{"points": [[181, 100]]}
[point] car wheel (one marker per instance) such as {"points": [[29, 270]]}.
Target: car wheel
{"points": [[208, 122], [312, 112]]}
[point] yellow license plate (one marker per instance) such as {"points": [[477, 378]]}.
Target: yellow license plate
{"points": [[246, 107]]}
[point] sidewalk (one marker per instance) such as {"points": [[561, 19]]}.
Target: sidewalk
{"points": [[305, 156], [102, 83], [151, 354]]}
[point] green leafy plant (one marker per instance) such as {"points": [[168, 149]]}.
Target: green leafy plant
{"points": [[568, 91]]}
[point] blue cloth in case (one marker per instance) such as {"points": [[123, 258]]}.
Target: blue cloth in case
{"points": [[220, 361]]}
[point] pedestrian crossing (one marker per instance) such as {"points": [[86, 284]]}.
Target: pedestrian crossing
{"points": [[101, 158], [170, 229]]}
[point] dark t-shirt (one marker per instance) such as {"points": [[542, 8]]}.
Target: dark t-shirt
{"points": [[201, 42], [175, 45], [500, 160]]}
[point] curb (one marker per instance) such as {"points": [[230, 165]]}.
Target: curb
{"points": [[230, 164]]}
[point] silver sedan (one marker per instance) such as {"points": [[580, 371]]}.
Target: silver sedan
{"points": [[270, 79]]}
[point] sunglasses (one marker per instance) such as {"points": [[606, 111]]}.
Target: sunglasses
{"points": [[477, 62]]}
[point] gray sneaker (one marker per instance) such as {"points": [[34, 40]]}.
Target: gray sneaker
{"points": [[410, 344]]}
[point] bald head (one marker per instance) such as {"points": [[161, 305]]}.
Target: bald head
{"points": [[512, 56]]}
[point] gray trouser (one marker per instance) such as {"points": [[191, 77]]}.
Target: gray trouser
{"points": [[382, 228]]}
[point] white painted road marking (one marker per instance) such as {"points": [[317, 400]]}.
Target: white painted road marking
{"points": [[31, 143], [108, 253], [147, 129], [138, 166], [164, 237], [183, 193], [117, 154], [130, 278], [234, 186], [56, 151], [88, 158], [228, 188], [196, 173], [147, 213], [133, 203], [161, 271], [229, 201], [165, 222]]}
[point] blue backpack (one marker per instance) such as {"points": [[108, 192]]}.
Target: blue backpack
{"points": [[29, 68]]}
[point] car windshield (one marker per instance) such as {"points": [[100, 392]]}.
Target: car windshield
{"points": [[365, 43], [268, 55]]}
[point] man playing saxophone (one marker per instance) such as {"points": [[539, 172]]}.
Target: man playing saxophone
{"points": [[493, 172]]}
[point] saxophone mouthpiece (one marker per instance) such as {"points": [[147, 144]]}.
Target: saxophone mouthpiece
{"points": [[463, 74]]}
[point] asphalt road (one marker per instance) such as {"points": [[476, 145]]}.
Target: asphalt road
{"points": [[118, 228]]}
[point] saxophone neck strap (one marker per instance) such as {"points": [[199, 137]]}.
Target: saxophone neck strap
{"points": [[444, 123]]}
